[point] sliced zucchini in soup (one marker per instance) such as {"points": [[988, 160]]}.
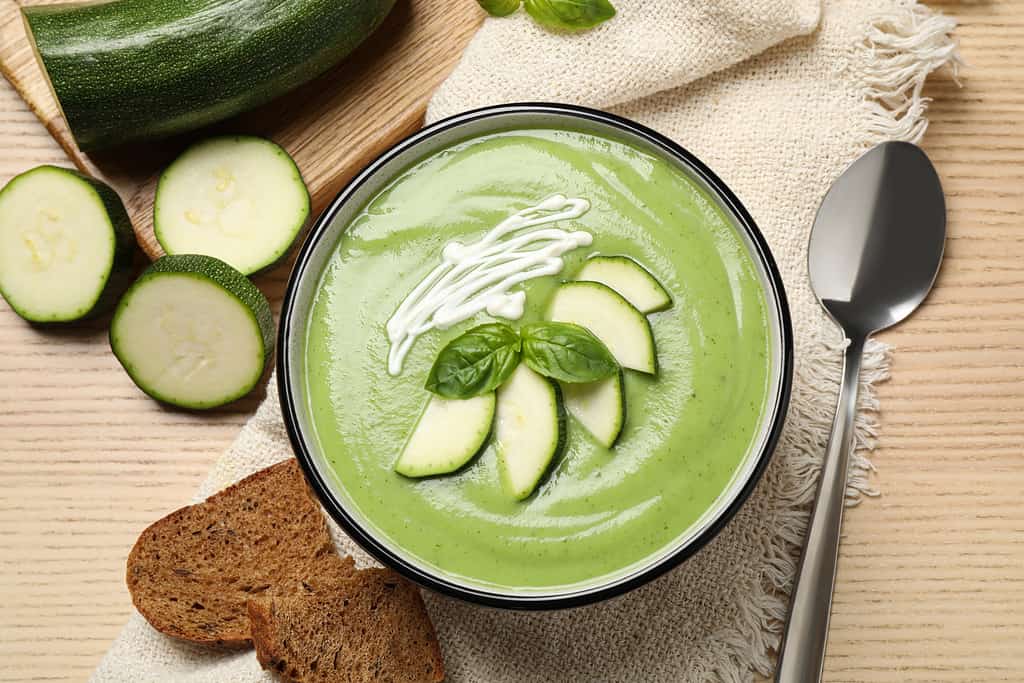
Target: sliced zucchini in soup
{"points": [[66, 245], [599, 406], [449, 433], [193, 332], [627, 277], [238, 198], [529, 429], [616, 322]]}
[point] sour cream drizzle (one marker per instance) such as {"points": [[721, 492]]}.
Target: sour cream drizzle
{"points": [[477, 277]]}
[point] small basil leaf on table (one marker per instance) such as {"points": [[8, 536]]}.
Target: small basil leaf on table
{"points": [[569, 14], [475, 362], [566, 352], [499, 8]]}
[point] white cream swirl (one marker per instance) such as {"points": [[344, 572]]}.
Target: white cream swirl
{"points": [[477, 277]]}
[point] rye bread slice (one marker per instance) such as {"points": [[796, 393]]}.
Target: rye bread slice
{"points": [[191, 573], [370, 627]]}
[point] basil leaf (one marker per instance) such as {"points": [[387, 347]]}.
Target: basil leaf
{"points": [[569, 14], [499, 8], [475, 362], [566, 352]]}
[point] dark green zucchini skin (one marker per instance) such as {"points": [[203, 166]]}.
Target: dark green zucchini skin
{"points": [[131, 70], [562, 418], [122, 269]]}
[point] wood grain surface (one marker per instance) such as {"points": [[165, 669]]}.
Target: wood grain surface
{"points": [[931, 576], [332, 126]]}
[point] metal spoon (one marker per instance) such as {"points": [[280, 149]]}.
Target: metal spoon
{"points": [[874, 253]]}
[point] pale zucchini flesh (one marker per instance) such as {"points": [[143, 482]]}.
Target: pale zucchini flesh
{"points": [[600, 407], [66, 245], [529, 429], [447, 436], [623, 329], [237, 198], [193, 332], [627, 277]]}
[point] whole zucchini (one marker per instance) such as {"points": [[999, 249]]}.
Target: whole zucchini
{"points": [[140, 69]]}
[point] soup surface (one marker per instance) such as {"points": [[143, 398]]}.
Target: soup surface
{"points": [[600, 511]]}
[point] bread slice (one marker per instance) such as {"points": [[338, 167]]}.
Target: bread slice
{"points": [[370, 627], [191, 573]]}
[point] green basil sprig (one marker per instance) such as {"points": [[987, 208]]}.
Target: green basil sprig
{"points": [[475, 362], [566, 352], [568, 15], [499, 8], [572, 15]]}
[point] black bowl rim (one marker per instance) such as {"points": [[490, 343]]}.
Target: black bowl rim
{"points": [[572, 598]]}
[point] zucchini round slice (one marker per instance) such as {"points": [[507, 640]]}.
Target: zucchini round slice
{"points": [[599, 406], [616, 322], [627, 277], [141, 69], [238, 198], [66, 245], [193, 332], [449, 433], [529, 429]]}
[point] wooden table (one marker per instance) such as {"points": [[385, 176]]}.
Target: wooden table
{"points": [[931, 579]]}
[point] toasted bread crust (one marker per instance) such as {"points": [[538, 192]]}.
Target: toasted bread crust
{"points": [[369, 627], [191, 573], [264, 638]]}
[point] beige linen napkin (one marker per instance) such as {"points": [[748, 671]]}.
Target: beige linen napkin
{"points": [[778, 128]]}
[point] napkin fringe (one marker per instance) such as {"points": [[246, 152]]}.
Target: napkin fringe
{"points": [[900, 49], [897, 53], [762, 617]]}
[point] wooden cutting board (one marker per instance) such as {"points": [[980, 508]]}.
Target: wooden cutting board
{"points": [[332, 126]]}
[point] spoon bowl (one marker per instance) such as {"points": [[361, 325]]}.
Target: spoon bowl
{"points": [[878, 239]]}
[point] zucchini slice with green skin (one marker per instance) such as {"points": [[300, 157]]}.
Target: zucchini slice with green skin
{"points": [[529, 429], [142, 69], [193, 332], [616, 322], [627, 277], [447, 436], [599, 406], [66, 245], [238, 198]]}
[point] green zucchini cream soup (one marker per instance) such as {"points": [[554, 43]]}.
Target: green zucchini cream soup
{"points": [[537, 358]]}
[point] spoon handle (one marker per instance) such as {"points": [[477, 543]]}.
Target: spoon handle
{"points": [[802, 653]]}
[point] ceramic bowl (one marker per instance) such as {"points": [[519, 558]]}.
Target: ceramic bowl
{"points": [[320, 245]]}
